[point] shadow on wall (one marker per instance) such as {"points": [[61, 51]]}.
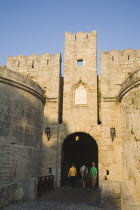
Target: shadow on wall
{"points": [[21, 115], [53, 163], [53, 135], [23, 152], [111, 194]]}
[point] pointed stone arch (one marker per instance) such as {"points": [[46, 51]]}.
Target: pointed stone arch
{"points": [[85, 150], [93, 131]]}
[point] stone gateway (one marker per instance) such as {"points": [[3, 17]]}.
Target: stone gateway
{"points": [[102, 110]]}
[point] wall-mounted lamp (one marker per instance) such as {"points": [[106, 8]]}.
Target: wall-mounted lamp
{"points": [[76, 138], [47, 131], [112, 133]]}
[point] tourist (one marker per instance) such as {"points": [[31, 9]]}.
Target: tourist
{"points": [[93, 173], [84, 174], [72, 175]]}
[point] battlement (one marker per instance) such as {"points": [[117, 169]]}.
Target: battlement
{"points": [[80, 35], [127, 55], [43, 69], [119, 65], [80, 50], [24, 63]]}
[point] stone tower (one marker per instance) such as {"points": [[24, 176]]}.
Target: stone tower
{"points": [[80, 80]]}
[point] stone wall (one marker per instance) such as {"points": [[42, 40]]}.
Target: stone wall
{"points": [[116, 66], [12, 192], [21, 120], [44, 70], [128, 202], [111, 194], [130, 121]]}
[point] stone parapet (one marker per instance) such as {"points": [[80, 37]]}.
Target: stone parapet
{"points": [[9, 193], [17, 80], [133, 81]]}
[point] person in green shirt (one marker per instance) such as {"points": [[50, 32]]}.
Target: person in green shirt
{"points": [[93, 173]]}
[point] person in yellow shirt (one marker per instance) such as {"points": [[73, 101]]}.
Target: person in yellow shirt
{"points": [[72, 175]]}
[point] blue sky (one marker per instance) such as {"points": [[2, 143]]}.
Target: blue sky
{"points": [[38, 26]]}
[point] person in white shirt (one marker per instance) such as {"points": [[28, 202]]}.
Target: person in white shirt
{"points": [[84, 173]]}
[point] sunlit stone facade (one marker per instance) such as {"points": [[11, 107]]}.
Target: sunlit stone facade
{"points": [[85, 102]]}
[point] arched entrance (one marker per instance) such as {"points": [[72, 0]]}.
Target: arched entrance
{"points": [[83, 150]]}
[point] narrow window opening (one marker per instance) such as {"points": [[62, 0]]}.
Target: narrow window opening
{"points": [[112, 58], [98, 102], [80, 62], [50, 170], [33, 64], [75, 37], [128, 57], [107, 172], [18, 63], [47, 62]]}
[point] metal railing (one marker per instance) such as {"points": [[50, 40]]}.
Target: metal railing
{"points": [[44, 184]]}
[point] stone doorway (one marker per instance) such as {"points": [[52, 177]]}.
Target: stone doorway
{"points": [[84, 150]]}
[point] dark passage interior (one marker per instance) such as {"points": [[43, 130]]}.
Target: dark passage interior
{"points": [[78, 151]]}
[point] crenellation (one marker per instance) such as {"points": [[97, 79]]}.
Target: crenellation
{"points": [[121, 57], [118, 65], [26, 63], [80, 36], [43, 69]]}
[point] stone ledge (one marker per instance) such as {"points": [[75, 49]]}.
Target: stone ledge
{"points": [[109, 99], [132, 82], [17, 80]]}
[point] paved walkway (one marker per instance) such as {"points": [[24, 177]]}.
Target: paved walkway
{"points": [[64, 199]]}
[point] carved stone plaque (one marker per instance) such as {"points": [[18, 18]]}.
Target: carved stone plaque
{"points": [[81, 95]]}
